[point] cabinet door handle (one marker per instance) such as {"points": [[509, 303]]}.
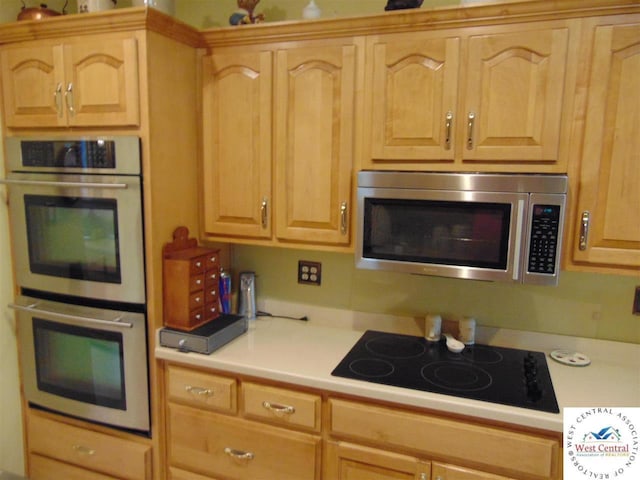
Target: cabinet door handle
{"points": [[447, 130], [263, 212], [279, 409], [343, 218], [203, 392], [584, 230], [470, 121], [81, 449], [68, 96], [57, 97], [239, 454]]}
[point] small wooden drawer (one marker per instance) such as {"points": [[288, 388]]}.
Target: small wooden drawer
{"points": [[281, 406], [198, 265], [221, 446], [212, 262], [201, 389], [211, 310], [196, 300], [196, 282], [43, 468], [211, 295], [211, 279], [89, 450], [527, 454]]}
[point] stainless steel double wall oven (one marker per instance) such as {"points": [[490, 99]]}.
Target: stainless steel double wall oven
{"points": [[77, 233]]}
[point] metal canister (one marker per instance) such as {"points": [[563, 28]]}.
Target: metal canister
{"points": [[225, 291]]}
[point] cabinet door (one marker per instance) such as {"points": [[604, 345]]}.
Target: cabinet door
{"points": [[237, 143], [102, 82], [43, 468], [453, 472], [411, 97], [32, 86], [609, 195], [347, 461], [515, 83], [314, 101]]}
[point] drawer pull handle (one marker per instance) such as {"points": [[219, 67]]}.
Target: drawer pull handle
{"points": [[447, 129], [279, 409], [471, 118], [81, 449], [584, 230], [206, 392], [238, 454]]}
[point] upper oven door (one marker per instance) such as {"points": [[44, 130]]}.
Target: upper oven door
{"points": [[78, 235], [460, 234]]}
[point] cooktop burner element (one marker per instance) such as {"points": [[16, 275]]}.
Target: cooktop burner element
{"points": [[494, 374]]}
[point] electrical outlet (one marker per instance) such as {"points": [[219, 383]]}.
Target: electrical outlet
{"points": [[309, 273], [636, 302]]}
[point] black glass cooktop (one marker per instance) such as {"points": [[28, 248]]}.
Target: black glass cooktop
{"points": [[494, 374]]}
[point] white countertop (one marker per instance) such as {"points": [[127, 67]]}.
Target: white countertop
{"points": [[304, 353]]}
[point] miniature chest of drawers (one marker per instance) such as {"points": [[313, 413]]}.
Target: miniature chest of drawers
{"points": [[190, 283]]}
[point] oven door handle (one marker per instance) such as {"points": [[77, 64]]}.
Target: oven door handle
{"points": [[65, 184], [76, 318]]}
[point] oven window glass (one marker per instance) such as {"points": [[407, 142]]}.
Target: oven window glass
{"points": [[473, 234], [73, 237], [80, 363]]}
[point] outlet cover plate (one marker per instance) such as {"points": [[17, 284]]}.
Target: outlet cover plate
{"points": [[309, 273]]}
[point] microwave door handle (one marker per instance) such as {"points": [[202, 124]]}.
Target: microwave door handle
{"points": [[65, 184], [76, 318], [517, 248]]}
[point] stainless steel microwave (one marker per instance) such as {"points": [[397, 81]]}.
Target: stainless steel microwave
{"points": [[495, 227]]}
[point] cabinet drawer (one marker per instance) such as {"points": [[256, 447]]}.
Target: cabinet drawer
{"points": [[499, 449], [43, 468], [178, 474], [87, 449], [281, 406], [196, 282], [201, 389], [232, 448]]}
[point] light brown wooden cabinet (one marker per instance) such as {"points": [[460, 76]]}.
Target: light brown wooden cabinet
{"points": [[59, 450], [606, 224], [71, 83], [278, 128], [489, 98]]}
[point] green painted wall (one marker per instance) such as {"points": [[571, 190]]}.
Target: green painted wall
{"points": [[585, 305]]}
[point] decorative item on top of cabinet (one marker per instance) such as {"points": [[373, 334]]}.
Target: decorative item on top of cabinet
{"points": [[606, 223], [190, 282], [90, 82], [244, 15]]}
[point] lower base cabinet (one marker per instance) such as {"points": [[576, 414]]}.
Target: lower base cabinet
{"points": [[59, 450]]}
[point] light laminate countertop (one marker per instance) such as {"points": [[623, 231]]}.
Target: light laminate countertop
{"points": [[304, 353]]}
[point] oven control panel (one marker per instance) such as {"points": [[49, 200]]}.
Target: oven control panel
{"points": [[68, 154]]}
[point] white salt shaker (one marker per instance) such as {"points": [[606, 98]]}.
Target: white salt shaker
{"points": [[467, 330], [311, 10], [432, 327]]}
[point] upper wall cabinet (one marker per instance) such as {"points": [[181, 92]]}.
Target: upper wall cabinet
{"points": [[79, 83], [278, 132], [487, 98], [607, 223]]}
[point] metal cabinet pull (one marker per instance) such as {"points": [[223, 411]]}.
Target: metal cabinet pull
{"points": [[68, 96], [238, 454], [447, 130], [57, 98], [584, 230], [263, 212], [33, 309], [203, 392], [279, 409], [343, 218], [81, 449], [424, 476], [471, 120]]}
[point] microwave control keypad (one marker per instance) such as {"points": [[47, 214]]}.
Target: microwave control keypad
{"points": [[544, 239]]}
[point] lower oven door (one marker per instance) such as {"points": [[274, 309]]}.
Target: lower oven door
{"points": [[85, 362]]}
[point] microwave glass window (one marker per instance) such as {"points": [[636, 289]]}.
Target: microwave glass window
{"points": [[80, 363], [448, 233], [73, 237]]}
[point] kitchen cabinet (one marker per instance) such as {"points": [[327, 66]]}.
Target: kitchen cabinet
{"points": [[213, 441], [487, 98], [71, 83], [606, 228], [79, 453], [346, 461], [497, 450], [278, 124], [452, 472]]}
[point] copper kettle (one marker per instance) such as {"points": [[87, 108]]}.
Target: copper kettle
{"points": [[38, 13]]}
